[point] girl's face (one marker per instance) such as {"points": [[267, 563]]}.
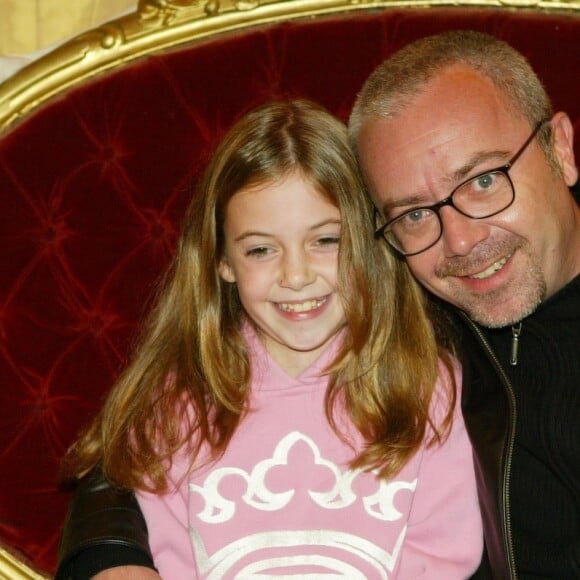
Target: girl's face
{"points": [[281, 249]]}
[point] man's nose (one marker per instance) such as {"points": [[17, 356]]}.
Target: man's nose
{"points": [[461, 233]]}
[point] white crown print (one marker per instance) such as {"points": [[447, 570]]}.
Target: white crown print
{"points": [[297, 551]]}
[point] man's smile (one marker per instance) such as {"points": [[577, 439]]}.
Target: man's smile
{"points": [[490, 270]]}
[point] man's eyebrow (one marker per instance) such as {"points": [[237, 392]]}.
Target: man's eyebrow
{"points": [[477, 160], [411, 200], [458, 176]]}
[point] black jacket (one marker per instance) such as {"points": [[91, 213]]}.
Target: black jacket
{"points": [[489, 412], [104, 528]]}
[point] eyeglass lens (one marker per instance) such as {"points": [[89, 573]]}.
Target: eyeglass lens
{"points": [[483, 196]]}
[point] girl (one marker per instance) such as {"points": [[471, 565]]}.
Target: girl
{"points": [[283, 415]]}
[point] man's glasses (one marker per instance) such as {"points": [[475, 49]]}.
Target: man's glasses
{"points": [[482, 196]]}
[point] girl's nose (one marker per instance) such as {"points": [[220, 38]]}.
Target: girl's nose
{"points": [[297, 271]]}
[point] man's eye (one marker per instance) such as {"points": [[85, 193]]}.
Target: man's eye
{"points": [[415, 216], [485, 181]]}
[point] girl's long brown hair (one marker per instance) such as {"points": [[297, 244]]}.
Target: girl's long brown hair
{"points": [[192, 355]]}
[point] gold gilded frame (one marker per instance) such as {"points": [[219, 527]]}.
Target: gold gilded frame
{"points": [[13, 569], [159, 25]]}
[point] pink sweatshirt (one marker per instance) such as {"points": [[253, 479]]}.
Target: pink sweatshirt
{"points": [[282, 501]]}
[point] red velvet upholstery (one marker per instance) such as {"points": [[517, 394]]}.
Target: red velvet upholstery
{"points": [[92, 188]]}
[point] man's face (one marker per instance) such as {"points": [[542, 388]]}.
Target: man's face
{"points": [[498, 269]]}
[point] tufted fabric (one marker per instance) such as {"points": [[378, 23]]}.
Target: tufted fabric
{"points": [[91, 192]]}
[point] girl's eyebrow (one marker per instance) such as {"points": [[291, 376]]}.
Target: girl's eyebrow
{"points": [[250, 233], [335, 221]]}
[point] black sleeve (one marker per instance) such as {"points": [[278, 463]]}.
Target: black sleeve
{"points": [[104, 528], [575, 189]]}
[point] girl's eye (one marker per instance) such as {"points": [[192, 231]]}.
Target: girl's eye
{"points": [[258, 252], [329, 240]]}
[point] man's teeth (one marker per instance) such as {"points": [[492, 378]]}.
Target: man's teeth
{"points": [[302, 306], [491, 270]]}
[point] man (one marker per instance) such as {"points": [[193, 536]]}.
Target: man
{"points": [[470, 171]]}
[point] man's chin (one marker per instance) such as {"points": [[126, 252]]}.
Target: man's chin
{"points": [[500, 316]]}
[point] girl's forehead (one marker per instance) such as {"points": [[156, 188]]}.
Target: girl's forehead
{"points": [[270, 205], [293, 179]]}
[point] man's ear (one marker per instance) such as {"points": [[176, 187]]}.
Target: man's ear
{"points": [[563, 144], [226, 271]]}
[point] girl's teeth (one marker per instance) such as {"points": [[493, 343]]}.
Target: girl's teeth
{"points": [[491, 270], [302, 307]]}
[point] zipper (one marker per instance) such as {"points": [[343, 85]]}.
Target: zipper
{"points": [[516, 331], [507, 531]]}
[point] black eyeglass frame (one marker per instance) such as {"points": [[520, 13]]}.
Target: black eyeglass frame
{"points": [[436, 207]]}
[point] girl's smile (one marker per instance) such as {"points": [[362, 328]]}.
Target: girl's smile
{"points": [[308, 306]]}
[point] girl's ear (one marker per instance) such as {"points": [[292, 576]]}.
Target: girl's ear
{"points": [[564, 146], [226, 271]]}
